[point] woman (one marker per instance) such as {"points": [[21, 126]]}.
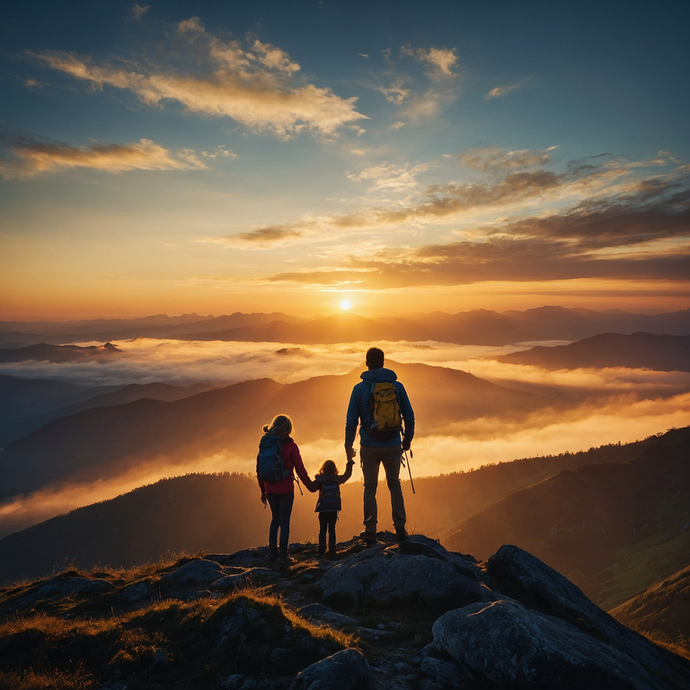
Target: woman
{"points": [[280, 495]]}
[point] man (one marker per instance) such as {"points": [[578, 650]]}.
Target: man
{"points": [[375, 449]]}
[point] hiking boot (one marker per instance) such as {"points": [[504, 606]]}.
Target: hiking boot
{"points": [[401, 533], [332, 554], [273, 555], [368, 537], [322, 550], [284, 559]]}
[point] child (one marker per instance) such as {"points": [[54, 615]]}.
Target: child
{"points": [[328, 482]]}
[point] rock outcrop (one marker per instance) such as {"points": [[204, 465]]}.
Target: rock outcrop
{"points": [[416, 617]]}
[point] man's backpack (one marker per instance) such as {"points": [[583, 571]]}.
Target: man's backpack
{"points": [[329, 498], [384, 412], [271, 466]]}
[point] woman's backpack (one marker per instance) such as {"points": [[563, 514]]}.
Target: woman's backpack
{"points": [[270, 463]]}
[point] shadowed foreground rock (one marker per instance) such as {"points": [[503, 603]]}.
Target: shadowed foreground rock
{"points": [[419, 571], [418, 618], [346, 670], [511, 647]]}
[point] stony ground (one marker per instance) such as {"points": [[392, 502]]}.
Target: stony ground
{"points": [[397, 615]]}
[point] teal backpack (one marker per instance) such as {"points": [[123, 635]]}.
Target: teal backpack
{"points": [[270, 460]]}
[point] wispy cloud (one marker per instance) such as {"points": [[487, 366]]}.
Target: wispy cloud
{"points": [[499, 91], [31, 157], [390, 176], [598, 218], [267, 236], [493, 158], [138, 11], [253, 84], [440, 61], [395, 93]]}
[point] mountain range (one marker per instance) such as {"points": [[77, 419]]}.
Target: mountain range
{"points": [[615, 517], [43, 352], [638, 350], [614, 529], [220, 512], [28, 404], [104, 441], [477, 327]]}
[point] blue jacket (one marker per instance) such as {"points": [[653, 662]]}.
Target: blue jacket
{"points": [[358, 410]]}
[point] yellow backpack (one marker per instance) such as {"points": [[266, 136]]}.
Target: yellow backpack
{"points": [[384, 412]]}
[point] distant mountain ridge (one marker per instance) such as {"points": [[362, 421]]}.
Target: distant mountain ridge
{"points": [[20, 421], [44, 352], [639, 350], [477, 327], [158, 326]]}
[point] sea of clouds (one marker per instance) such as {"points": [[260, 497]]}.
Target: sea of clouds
{"points": [[605, 406]]}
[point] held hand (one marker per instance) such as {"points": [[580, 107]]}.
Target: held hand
{"points": [[350, 452], [406, 444]]}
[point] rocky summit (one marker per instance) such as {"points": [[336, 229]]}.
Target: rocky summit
{"points": [[398, 615]]}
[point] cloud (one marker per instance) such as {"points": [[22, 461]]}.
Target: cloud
{"points": [[493, 158], [148, 360], [395, 93], [390, 176], [625, 419], [33, 157], [262, 237], [619, 224], [439, 60], [499, 91], [618, 405], [611, 405], [253, 85], [138, 11], [577, 243]]}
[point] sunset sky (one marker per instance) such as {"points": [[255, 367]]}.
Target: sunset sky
{"points": [[284, 156]]}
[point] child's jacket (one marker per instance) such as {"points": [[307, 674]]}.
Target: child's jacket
{"points": [[329, 490]]}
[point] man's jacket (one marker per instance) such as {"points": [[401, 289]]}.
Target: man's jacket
{"points": [[358, 410]]}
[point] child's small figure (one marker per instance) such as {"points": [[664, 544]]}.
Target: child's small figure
{"points": [[328, 482]]}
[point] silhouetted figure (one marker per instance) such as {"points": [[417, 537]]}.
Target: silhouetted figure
{"points": [[328, 482], [280, 495], [373, 406]]}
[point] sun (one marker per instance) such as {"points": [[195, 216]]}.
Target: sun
{"points": [[345, 305]]}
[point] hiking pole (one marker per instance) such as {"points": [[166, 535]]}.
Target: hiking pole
{"points": [[409, 469]]}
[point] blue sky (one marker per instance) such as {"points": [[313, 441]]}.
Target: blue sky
{"points": [[215, 157]]}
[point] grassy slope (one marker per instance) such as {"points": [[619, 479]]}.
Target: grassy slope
{"points": [[73, 644], [611, 529], [663, 608]]}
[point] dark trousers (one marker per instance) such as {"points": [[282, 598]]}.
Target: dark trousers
{"points": [[281, 509], [327, 521]]}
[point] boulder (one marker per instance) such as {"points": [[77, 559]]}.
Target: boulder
{"points": [[136, 593], [524, 577], [507, 646], [59, 587], [418, 544], [445, 673], [327, 614], [197, 572], [346, 670], [387, 576]]}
